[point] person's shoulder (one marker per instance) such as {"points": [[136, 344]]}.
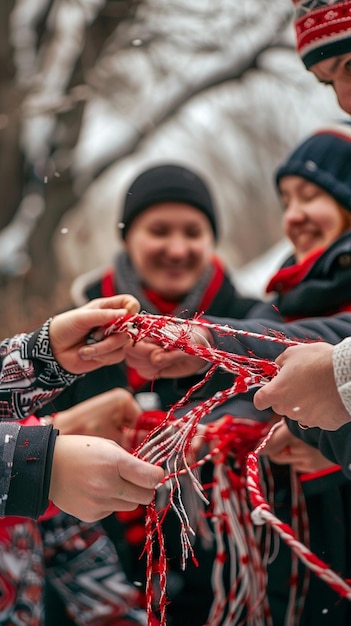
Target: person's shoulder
{"points": [[87, 286]]}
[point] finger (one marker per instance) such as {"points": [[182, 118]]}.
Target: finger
{"points": [[102, 314], [281, 459], [124, 408], [98, 514], [277, 442], [92, 318], [131, 493], [167, 363], [122, 301], [262, 398], [161, 358], [105, 349], [140, 359], [131, 413], [281, 359], [144, 474], [111, 343], [140, 353]]}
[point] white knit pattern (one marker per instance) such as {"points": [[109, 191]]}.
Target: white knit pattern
{"points": [[342, 371]]}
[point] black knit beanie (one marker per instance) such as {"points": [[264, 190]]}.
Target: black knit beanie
{"points": [[167, 183], [324, 159]]}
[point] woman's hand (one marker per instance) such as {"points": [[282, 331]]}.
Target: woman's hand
{"points": [[69, 332]]}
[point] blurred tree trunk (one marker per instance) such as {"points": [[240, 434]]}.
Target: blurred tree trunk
{"points": [[142, 70], [11, 178], [58, 191], [27, 300]]}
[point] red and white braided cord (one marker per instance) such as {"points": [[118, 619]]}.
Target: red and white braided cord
{"points": [[261, 514], [168, 444]]}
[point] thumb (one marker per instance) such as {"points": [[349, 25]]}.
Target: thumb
{"points": [[160, 357], [144, 474]]}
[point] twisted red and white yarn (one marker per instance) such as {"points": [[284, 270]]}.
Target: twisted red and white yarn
{"points": [[261, 514], [169, 443]]}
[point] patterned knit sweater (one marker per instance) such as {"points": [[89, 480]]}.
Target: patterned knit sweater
{"points": [[29, 378], [342, 371]]}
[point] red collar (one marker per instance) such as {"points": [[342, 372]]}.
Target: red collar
{"points": [[288, 277]]}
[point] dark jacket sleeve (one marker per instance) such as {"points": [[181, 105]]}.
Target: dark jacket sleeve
{"points": [[26, 454], [335, 445], [267, 344], [331, 329]]}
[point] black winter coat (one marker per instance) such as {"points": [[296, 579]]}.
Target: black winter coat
{"points": [[224, 300], [191, 606], [324, 289], [190, 591]]}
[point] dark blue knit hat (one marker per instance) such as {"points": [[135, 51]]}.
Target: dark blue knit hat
{"points": [[167, 183], [324, 159]]}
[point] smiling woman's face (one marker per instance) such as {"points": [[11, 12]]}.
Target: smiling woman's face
{"points": [[312, 218], [170, 246]]}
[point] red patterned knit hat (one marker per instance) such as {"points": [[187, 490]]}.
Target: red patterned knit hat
{"points": [[323, 29]]}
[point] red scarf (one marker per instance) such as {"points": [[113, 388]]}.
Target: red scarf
{"points": [[287, 278], [165, 307]]}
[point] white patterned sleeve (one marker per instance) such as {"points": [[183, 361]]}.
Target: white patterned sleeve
{"points": [[29, 378], [29, 375], [342, 371]]}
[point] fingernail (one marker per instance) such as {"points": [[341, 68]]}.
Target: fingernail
{"points": [[96, 336], [87, 352]]}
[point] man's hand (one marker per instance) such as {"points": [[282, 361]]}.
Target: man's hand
{"points": [[105, 415], [285, 449], [152, 361], [304, 389], [69, 332], [93, 477]]}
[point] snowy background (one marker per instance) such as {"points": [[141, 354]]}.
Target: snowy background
{"points": [[93, 91]]}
